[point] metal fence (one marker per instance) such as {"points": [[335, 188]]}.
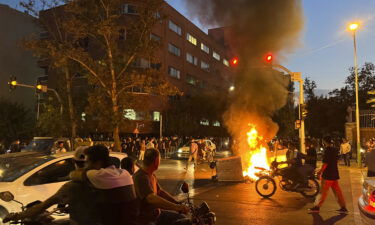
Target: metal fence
{"points": [[367, 118]]}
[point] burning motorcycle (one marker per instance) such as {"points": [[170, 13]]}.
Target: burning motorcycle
{"points": [[266, 184], [44, 218], [200, 215]]}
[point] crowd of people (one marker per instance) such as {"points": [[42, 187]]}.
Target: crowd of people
{"points": [[101, 194]]}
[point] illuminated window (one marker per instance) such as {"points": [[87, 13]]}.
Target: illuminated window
{"points": [[205, 48], [130, 114], [226, 62], [216, 124], [191, 80], [156, 116], [174, 50], [205, 66], [173, 72], [191, 39], [191, 59], [205, 122], [175, 27], [216, 56]]}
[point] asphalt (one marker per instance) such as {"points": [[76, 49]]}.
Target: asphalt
{"points": [[239, 204]]}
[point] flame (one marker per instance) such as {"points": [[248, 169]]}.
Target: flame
{"points": [[257, 153]]}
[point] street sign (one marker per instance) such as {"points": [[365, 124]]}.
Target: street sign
{"points": [[295, 77]]}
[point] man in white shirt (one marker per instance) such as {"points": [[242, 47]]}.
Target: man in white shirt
{"points": [[345, 150]]}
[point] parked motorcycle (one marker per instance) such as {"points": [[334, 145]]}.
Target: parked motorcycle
{"points": [[266, 184], [44, 218], [200, 215]]}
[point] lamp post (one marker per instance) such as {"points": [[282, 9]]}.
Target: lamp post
{"points": [[354, 27]]}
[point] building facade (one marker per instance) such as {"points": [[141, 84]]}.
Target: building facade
{"points": [[14, 59], [192, 60]]}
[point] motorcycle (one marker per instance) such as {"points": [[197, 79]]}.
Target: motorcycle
{"points": [[266, 184], [200, 215], [44, 218]]}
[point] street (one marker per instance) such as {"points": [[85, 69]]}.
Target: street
{"points": [[239, 204]]}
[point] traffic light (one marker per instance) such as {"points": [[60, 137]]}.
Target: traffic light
{"points": [[304, 111], [12, 83], [39, 87], [234, 62], [269, 58]]}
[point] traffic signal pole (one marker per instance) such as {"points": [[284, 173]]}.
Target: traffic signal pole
{"points": [[302, 129]]}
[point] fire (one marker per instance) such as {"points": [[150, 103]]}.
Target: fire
{"points": [[258, 154]]}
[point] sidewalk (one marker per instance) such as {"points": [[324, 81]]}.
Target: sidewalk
{"points": [[239, 204]]}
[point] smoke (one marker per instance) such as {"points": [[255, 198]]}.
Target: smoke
{"points": [[254, 28]]}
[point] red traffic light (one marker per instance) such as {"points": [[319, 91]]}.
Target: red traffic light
{"points": [[234, 61], [269, 58]]}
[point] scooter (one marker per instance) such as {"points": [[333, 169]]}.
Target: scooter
{"points": [[199, 215], [44, 218]]}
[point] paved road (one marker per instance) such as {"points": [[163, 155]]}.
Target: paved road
{"points": [[239, 204]]}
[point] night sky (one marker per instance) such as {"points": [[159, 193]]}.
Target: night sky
{"points": [[327, 50]]}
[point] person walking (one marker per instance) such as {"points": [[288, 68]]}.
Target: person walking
{"points": [[345, 150], [329, 174], [193, 154]]}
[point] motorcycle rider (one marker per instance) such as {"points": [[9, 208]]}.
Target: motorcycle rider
{"points": [[294, 171], [115, 201], [157, 207], [76, 194]]}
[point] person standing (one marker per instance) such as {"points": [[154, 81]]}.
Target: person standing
{"points": [[150, 144], [193, 154], [370, 162], [142, 150], [345, 150], [311, 154], [329, 174]]}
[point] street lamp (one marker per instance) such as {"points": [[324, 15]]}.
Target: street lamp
{"points": [[354, 27]]}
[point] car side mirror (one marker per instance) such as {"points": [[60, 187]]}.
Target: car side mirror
{"points": [[6, 196], [185, 188]]}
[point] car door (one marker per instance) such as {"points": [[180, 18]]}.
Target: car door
{"points": [[45, 182]]}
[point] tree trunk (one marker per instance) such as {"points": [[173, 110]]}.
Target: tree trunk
{"points": [[116, 122], [71, 109]]}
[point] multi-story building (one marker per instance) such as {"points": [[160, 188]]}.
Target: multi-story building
{"points": [[192, 60], [14, 59]]}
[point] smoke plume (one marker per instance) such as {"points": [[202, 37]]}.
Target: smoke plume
{"points": [[254, 28]]}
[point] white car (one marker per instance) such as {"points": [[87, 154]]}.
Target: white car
{"points": [[31, 176], [183, 152], [366, 202]]}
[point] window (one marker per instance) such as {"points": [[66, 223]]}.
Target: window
{"points": [[205, 122], [226, 62], [205, 48], [129, 9], [175, 27], [216, 124], [173, 72], [141, 63], [174, 50], [216, 56], [156, 66], [54, 173], [205, 66], [122, 34], [191, 80], [130, 114], [155, 37], [156, 116], [191, 39], [191, 59]]}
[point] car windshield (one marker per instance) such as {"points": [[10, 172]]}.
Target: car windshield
{"points": [[12, 168], [40, 145]]}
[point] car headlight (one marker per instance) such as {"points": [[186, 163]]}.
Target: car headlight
{"points": [[179, 150]]}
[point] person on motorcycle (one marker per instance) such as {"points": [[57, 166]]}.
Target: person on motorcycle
{"points": [[294, 171], [157, 207], [115, 200], [77, 195]]}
